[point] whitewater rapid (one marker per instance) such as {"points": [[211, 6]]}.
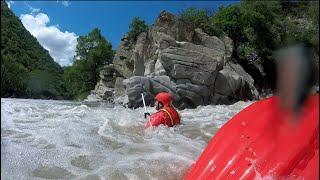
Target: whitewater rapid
{"points": [[46, 139]]}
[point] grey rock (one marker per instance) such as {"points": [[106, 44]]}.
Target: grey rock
{"points": [[149, 86], [124, 50], [183, 81], [123, 68], [173, 26], [212, 42], [233, 84], [201, 49], [159, 69], [138, 55], [197, 94], [119, 87], [184, 64], [228, 44], [122, 100], [174, 57], [110, 79], [222, 99]]}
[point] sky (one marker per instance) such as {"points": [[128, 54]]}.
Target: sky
{"points": [[58, 24]]}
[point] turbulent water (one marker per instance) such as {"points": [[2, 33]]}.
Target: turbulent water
{"points": [[73, 140]]}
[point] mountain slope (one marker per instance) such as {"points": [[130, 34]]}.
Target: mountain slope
{"points": [[27, 69]]}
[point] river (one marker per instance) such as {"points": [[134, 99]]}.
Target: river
{"points": [[48, 139]]}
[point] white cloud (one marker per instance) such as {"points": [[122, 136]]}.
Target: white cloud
{"points": [[61, 45], [9, 3]]}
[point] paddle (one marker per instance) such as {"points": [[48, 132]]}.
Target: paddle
{"points": [[145, 108]]}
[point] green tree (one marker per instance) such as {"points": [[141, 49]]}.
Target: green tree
{"points": [[301, 23], [200, 18], [92, 52], [136, 27], [13, 74], [250, 23]]}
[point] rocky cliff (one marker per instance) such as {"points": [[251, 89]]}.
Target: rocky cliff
{"points": [[174, 57]]}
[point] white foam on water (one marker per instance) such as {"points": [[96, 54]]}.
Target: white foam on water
{"points": [[83, 140]]}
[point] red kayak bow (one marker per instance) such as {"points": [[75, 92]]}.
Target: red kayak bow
{"points": [[262, 142]]}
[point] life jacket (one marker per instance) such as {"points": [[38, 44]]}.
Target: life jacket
{"points": [[173, 116], [167, 116]]}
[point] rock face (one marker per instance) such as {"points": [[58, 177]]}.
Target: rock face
{"points": [[125, 49], [233, 84], [109, 86], [149, 86], [174, 57], [253, 64]]}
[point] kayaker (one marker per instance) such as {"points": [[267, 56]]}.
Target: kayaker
{"points": [[166, 113]]}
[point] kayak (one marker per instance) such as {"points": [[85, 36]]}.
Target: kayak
{"points": [[262, 142]]}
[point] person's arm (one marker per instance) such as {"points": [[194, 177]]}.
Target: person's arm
{"points": [[155, 119]]}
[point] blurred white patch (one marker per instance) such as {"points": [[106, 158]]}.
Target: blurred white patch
{"points": [[10, 3], [65, 3]]}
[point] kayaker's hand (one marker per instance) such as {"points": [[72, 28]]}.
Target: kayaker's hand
{"points": [[146, 114]]}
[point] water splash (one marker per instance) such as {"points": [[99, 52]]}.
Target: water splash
{"points": [[82, 140]]}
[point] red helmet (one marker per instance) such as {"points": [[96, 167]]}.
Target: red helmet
{"points": [[164, 97]]}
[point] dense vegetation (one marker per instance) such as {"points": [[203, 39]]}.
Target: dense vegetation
{"points": [[92, 52], [257, 28], [27, 70], [136, 27]]}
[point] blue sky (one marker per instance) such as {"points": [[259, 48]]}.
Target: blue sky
{"points": [[44, 19]]}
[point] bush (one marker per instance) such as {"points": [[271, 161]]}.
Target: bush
{"points": [[136, 27], [201, 18], [92, 52]]}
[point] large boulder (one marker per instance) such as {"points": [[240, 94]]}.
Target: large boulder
{"points": [[174, 57], [102, 91], [170, 32], [157, 41], [205, 40], [139, 55], [150, 87], [174, 26], [119, 87], [233, 84], [193, 95], [228, 44], [196, 66], [110, 78], [123, 68], [124, 50]]}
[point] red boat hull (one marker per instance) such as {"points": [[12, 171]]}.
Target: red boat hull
{"points": [[261, 142]]}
